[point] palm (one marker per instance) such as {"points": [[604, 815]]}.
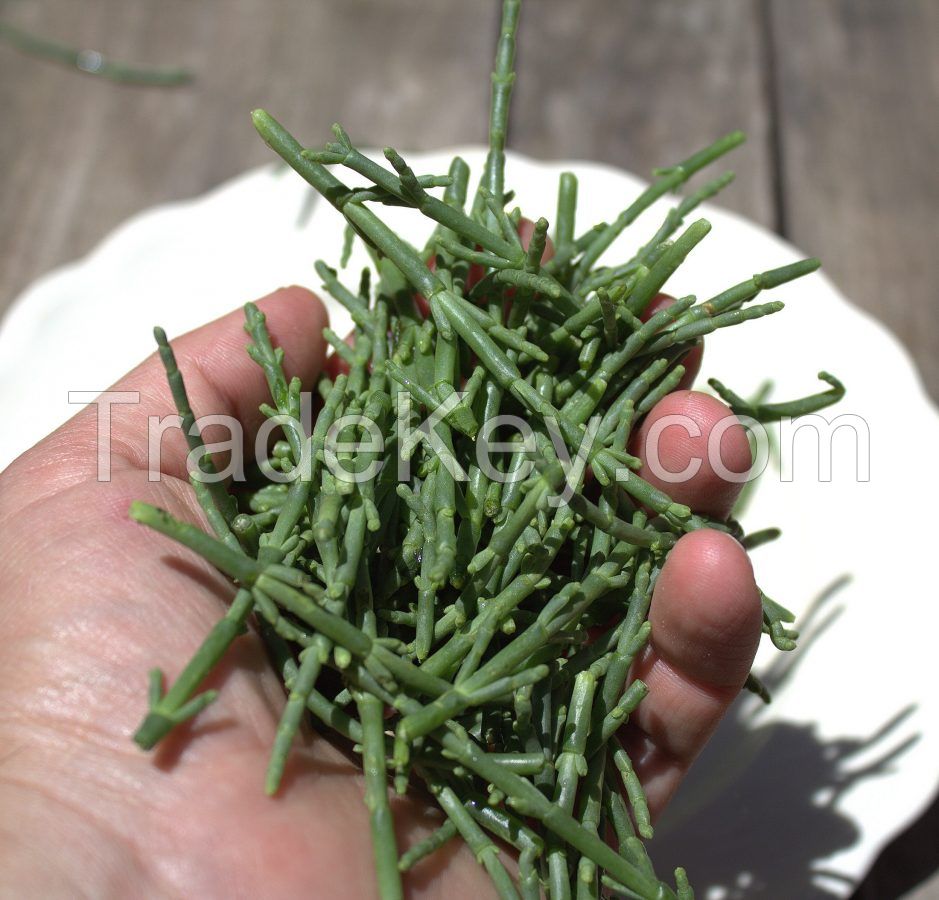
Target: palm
{"points": [[91, 601], [192, 818]]}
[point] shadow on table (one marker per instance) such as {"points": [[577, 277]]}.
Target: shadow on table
{"points": [[906, 862], [759, 807]]}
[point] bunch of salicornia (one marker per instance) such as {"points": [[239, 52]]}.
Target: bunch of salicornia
{"points": [[427, 605]]}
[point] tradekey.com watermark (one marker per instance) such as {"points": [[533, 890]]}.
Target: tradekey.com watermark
{"points": [[356, 448]]}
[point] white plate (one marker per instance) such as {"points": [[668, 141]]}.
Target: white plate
{"points": [[793, 800]]}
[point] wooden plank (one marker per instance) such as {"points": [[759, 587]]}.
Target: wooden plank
{"points": [[641, 85], [634, 84], [79, 155], [858, 94]]}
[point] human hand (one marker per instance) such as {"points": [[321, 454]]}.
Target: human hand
{"points": [[89, 601]]}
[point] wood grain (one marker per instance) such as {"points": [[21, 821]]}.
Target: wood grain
{"points": [[80, 154], [642, 85], [858, 103]]}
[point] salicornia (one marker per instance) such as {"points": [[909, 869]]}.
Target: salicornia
{"points": [[466, 620]]}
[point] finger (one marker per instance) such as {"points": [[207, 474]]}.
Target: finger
{"points": [[692, 359], [706, 619], [221, 380], [695, 450]]}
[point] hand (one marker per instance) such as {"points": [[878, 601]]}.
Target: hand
{"points": [[89, 601]]}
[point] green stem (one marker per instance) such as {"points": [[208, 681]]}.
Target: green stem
{"points": [[384, 844], [91, 61], [503, 77]]}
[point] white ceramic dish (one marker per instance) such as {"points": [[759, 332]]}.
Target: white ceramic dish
{"points": [[794, 800]]}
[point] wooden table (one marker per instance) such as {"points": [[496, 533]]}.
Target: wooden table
{"points": [[839, 97]]}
